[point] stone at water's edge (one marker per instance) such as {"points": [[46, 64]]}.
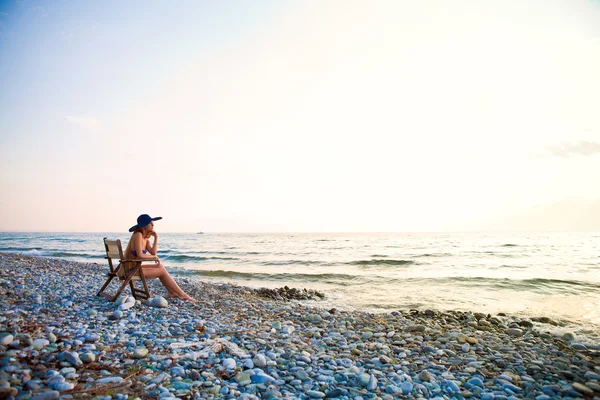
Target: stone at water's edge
{"points": [[514, 331]]}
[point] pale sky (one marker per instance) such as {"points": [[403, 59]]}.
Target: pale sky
{"points": [[333, 115]]}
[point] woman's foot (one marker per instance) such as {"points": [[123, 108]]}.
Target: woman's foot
{"points": [[183, 297]]}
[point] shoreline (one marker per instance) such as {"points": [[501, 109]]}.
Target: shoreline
{"points": [[57, 338]]}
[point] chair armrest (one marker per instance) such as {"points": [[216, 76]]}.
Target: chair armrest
{"points": [[138, 260]]}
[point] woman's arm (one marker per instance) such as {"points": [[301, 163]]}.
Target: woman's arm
{"points": [[154, 248], [138, 245]]}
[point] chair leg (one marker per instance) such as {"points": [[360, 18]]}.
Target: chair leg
{"points": [[132, 287], [105, 285], [123, 286]]}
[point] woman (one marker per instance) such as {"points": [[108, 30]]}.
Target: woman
{"points": [[139, 247]]}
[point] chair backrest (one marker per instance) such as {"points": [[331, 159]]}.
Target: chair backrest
{"points": [[114, 251]]}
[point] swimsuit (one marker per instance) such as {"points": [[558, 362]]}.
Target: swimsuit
{"points": [[134, 253]]}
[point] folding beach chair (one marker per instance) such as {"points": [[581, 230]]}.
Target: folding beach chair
{"points": [[114, 251]]}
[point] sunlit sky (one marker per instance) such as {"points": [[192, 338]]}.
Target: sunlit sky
{"points": [[296, 116]]}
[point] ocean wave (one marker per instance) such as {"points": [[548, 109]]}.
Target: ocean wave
{"points": [[339, 279], [63, 239], [60, 254], [39, 252], [379, 261], [537, 285], [195, 253], [291, 262], [183, 258], [20, 249]]}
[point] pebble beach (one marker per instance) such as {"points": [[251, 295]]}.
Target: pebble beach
{"points": [[59, 340]]}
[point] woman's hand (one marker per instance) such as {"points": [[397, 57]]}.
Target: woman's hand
{"points": [[153, 233]]}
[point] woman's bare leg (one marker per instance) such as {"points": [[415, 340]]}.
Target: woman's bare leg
{"points": [[159, 271]]}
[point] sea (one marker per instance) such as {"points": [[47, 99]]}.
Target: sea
{"points": [[554, 275]]}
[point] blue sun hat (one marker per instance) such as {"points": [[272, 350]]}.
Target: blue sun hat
{"points": [[143, 220]]}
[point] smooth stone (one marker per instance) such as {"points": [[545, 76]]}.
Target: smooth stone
{"points": [[229, 363], [262, 378], [182, 386], [141, 352], [591, 375], [67, 370], [216, 389], [260, 361], [579, 346], [332, 394], [315, 318], [159, 302], [583, 389], [62, 386], [393, 389], [302, 375], [241, 377], [92, 337], [88, 358], [363, 379], [315, 394], [569, 337], [476, 382], [424, 376], [367, 335], [39, 344], [416, 328], [287, 329], [6, 392], [451, 386], [511, 387], [73, 358], [372, 384], [127, 305], [50, 395], [514, 332], [117, 314], [406, 387], [110, 379], [6, 339]]}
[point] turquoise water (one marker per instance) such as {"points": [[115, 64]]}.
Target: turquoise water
{"points": [[529, 274]]}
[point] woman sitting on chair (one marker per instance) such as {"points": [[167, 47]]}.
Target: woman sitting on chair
{"points": [[139, 247]]}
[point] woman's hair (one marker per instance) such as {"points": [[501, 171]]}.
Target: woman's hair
{"points": [[147, 235]]}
